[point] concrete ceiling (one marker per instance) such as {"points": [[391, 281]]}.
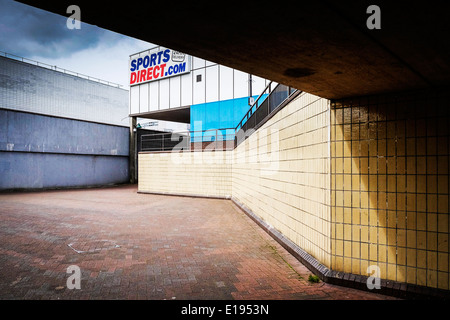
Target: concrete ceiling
{"points": [[182, 115], [321, 47]]}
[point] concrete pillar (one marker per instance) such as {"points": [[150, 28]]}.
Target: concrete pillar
{"points": [[133, 150]]}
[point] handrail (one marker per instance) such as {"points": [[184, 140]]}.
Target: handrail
{"points": [[274, 101], [65, 71], [160, 138], [251, 108], [185, 131]]}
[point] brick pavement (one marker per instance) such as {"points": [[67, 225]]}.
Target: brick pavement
{"points": [[140, 246]]}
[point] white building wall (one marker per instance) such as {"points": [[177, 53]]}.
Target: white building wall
{"points": [[226, 84], [198, 86], [217, 83]]}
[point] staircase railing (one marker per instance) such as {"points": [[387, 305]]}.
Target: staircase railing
{"points": [[265, 106]]}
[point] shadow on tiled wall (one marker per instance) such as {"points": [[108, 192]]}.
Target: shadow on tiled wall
{"points": [[390, 182]]}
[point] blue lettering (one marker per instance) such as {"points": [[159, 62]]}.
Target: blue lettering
{"points": [[159, 56], [139, 63], [176, 69], [182, 67], [153, 59], [133, 65], [166, 55], [146, 61]]}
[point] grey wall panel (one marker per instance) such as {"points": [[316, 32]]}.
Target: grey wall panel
{"points": [[20, 131], [47, 152], [20, 170], [31, 88]]}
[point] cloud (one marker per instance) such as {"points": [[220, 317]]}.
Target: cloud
{"points": [[43, 36], [107, 61], [31, 31]]}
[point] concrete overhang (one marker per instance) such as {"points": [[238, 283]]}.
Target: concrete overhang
{"points": [[182, 114], [321, 47]]}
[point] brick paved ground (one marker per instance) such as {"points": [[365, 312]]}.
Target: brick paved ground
{"points": [[140, 246]]}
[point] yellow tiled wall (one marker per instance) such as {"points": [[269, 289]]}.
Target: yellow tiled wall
{"points": [[282, 173], [355, 182], [389, 186], [191, 173]]}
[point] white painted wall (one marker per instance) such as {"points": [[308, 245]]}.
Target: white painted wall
{"points": [[217, 83]]}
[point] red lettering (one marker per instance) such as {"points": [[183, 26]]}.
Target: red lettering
{"points": [[155, 75], [149, 73], [142, 77], [162, 69], [133, 78]]}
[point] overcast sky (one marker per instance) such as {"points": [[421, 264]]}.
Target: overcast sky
{"points": [[39, 35]]}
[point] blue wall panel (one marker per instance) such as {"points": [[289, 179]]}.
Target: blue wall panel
{"points": [[211, 116], [226, 113], [217, 115]]}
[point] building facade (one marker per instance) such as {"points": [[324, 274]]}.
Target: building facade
{"points": [[170, 85], [60, 130]]}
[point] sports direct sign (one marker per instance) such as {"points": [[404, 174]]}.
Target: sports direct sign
{"points": [[158, 65]]}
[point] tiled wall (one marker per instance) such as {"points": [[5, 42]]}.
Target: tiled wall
{"points": [[355, 183], [389, 186], [281, 173], [189, 173]]}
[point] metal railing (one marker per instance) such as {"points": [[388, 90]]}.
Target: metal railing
{"points": [[268, 102], [213, 139], [263, 95], [47, 66]]}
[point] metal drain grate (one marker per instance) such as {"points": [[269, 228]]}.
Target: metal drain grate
{"points": [[92, 246]]}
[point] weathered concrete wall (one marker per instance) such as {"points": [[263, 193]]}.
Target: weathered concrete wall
{"points": [[47, 152]]}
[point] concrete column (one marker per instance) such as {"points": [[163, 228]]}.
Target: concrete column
{"points": [[133, 150]]}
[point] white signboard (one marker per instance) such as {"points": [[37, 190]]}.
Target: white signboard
{"points": [[158, 65]]}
